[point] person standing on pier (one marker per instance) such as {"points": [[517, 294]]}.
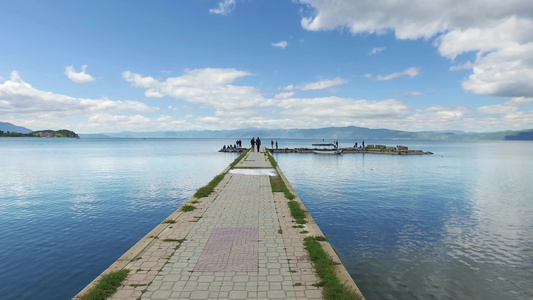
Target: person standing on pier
{"points": [[258, 143], [363, 144], [252, 141], [271, 144], [276, 144]]}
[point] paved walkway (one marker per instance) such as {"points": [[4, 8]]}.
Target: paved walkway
{"points": [[239, 243]]}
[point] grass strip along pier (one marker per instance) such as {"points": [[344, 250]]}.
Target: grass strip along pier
{"points": [[245, 235]]}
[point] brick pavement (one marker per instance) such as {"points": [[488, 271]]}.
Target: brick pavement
{"points": [[239, 243]]}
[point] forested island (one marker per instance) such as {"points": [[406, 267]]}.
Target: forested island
{"points": [[63, 133]]}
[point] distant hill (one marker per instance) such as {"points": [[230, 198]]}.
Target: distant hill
{"points": [[350, 132], [4, 126], [10, 130], [63, 133], [526, 135]]}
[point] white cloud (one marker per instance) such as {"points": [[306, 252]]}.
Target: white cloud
{"points": [[339, 108], [323, 84], [282, 44], [318, 85], [78, 77], [466, 66], [208, 87], [119, 121], [224, 7], [411, 93], [509, 107], [284, 95], [20, 101], [507, 73], [412, 72], [500, 32], [376, 50]]}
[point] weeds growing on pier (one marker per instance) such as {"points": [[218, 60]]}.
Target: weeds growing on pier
{"points": [[238, 159], [186, 208], [174, 240], [324, 266], [107, 285], [273, 162], [278, 185], [296, 212], [210, 187]]}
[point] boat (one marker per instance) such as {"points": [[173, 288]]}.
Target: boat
{"points": [[326, 149]]}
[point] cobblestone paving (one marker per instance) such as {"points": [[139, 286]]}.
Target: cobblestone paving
{"points": [[238, 244]]}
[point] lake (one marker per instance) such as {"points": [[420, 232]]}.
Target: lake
{"points": [[454, 225]]}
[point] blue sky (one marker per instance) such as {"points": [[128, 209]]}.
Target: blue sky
{"points": [[111, 66]]}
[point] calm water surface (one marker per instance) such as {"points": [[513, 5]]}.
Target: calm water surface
{"points": [[69, 208], [454, 225]]}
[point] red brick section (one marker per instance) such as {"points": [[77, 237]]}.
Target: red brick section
{"points": [[230, 250]]}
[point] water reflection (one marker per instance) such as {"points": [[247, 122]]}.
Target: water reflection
{"points": [[83, 203]]}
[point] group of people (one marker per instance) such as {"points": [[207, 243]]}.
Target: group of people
{"points": [[229, 147], [361, 146], [255, 142]]}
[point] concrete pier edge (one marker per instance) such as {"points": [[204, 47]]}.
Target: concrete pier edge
{"points": [[150, 237], [142, 244]]}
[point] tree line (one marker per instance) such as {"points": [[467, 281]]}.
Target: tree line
{"points": [[41, 133]]}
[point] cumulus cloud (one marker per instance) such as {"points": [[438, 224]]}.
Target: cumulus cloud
{"points": [[507, 73], [466, 66], [412, 72], [19, 100], [208, 87], [282, 44], [376, 50], [499, 32], [284, 95], [508, 107], [224, 7], [323, 84], [78, 77], [121, 121], [319, 85], [337, 107]]}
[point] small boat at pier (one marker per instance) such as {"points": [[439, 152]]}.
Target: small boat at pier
{"points": [[326, 149]]}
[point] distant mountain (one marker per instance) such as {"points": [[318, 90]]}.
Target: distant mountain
{"points": [[350, 132], [526, 135], [4, 126]]}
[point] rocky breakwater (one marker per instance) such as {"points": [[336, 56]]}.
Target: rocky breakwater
{"points": [[383, 149]]}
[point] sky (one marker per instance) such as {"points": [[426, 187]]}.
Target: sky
{"points": [[104, 66]]}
